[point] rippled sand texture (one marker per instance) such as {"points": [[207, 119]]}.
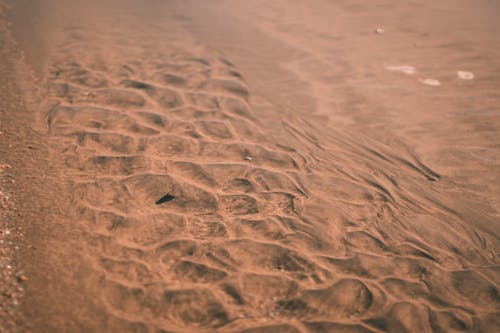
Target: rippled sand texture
{"points": [[284, 218]]}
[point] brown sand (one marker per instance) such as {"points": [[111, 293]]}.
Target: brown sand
{"points": [[259, 166]]}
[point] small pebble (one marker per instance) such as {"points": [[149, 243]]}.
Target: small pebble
{"points": [[248, 158], [379, 31], [167, 197]]}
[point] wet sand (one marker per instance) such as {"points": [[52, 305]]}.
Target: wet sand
{"points": [[224, 166]]}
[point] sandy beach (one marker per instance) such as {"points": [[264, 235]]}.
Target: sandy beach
{"points": [[249, 166]]}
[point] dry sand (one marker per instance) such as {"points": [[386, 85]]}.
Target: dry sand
{"points": [[254, 166]]}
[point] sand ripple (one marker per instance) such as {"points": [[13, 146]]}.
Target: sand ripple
{"points": [[319, 231]]}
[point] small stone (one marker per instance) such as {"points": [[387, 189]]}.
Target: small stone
{"points": [[379, 31], [247, 158], [22, 278], [165, 198]]}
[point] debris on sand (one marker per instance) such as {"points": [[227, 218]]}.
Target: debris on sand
{"points": [[22, 278], [403, 69], [430, 82], [165, 198], [464, 75]]}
